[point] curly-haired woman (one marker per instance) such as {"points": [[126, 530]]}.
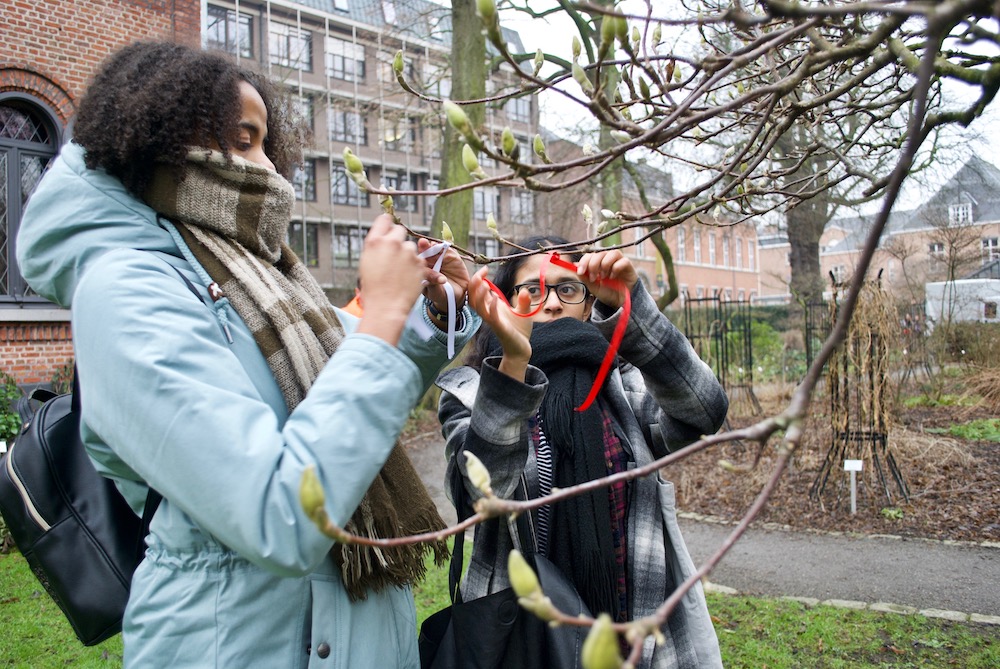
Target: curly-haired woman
{"points": [[214, 370], [513, 406]]}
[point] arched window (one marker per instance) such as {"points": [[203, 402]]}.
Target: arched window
{"points": [[29, 138]]}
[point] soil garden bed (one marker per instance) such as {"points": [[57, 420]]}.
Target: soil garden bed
{"points": [[954, 484]]}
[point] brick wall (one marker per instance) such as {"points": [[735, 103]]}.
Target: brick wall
{"points": [[33, 352], [50, 48]]}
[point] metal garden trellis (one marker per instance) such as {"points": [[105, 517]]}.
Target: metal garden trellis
{"points": [[858, 380]]}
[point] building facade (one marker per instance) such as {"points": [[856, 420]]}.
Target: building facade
{"points": [[49, 50], [952, 235], [333, 56]]}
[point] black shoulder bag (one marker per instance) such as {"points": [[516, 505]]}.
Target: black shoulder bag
{"points": [[78, 534], [494, 632]]}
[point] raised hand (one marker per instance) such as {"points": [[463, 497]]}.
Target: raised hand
{"points": [[453, 270], [514, 332], [595, 267], [391, 277]]}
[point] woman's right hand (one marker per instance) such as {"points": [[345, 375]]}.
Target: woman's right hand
{"points": [[391, 280], [513, 332]]}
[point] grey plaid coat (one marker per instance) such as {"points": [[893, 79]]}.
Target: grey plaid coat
{"points": [[663, 398]]}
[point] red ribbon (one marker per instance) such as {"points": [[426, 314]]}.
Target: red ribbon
{"points": [[616, 337]]}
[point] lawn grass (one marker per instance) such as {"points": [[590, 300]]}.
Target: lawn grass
{"points": [[753, 633]]}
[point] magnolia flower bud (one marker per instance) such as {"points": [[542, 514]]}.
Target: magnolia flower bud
{"points": [[608, 27], [491, 223], [607, 213], [387, 204], [469, 159], [600, 649], [581, 78], [457, 118], [657, 34], [448, 236], [644, 89], [487, 10], [397, 63], [352, 162], [471, 163], [576, 47], [636, 36], [507, 142], [589, 149], [588, 214], [479, 476], [621, 30], [311, 495], [539, 61], [539, 148], [522, 576]]}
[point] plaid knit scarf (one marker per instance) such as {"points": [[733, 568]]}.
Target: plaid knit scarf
{"points": [[233, 215]]}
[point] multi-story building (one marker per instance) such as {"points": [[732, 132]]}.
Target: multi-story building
{"points": [[334, 57], [955, 233]]}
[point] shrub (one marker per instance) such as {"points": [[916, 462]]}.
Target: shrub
{"points": [[976, 344], [10, 425]]}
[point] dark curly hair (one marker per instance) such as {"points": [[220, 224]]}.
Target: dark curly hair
{"points": [[504, 278], [151, 100]]}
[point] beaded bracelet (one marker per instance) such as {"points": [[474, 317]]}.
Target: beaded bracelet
{"points": [[442, 317]]}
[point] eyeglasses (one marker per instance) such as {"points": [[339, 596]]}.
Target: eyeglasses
{"points": [[568, 292]]}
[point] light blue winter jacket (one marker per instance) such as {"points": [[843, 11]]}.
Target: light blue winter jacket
{"points": [[235, 574]]}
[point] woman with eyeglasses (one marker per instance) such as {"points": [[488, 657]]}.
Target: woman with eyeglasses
{"points": [[513, 406]]}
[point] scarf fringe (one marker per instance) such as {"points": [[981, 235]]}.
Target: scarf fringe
{"points": [[397, 565]]}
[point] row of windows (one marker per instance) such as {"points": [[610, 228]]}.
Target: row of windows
{"points": [[348, 240], [990, 248], [726, 294], [737, 249], [344, 60], [344, 191]]}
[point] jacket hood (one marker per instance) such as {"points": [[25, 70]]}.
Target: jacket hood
{"points": [[75, 216]]}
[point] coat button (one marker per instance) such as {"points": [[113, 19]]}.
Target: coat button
{"points": [[323, 650]]}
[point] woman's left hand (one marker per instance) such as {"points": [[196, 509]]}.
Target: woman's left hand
{"points": [[596, 267], [453, 271]]}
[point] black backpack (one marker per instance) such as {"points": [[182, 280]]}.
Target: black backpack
{"points": [[77, 533]]}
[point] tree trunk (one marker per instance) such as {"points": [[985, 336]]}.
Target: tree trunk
{"points": [[468, 72], [806, 223]]}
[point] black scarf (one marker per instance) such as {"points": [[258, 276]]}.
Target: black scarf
{"points": [[581, 539]]}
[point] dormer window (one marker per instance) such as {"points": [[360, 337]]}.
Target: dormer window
{"points": [[960, 214]]}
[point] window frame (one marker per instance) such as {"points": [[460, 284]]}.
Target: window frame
{"points": [[235, 48], [341, 130], [16, 291], [347, 52], [343, 190], [308, 252], [284, 57], [306, 185]]}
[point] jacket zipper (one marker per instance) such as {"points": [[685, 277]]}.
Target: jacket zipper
{"points": [[32, 511]]}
